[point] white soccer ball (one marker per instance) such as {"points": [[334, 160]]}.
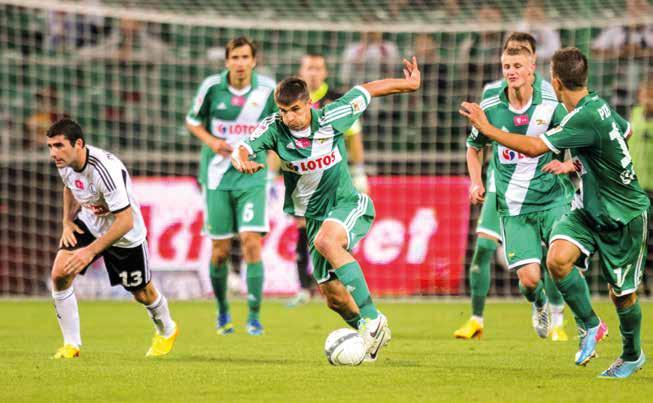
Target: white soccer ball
{"points": [[344, 347]]}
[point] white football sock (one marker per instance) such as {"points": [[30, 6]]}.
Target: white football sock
{"points": [[479, 319], [65, 305], [557, 316], [160, 315]]}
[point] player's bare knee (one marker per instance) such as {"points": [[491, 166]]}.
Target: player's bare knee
{"points": [[251, 244], [324, 244], [558, 264], [219, 254], [60, 281]]}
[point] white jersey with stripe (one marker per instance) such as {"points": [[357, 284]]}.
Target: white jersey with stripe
{"points": [[103, 188]]}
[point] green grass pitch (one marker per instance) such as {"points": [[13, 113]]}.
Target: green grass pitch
{"points": [[422, 363]]}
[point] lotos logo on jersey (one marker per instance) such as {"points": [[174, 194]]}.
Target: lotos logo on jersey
{"points": [[313, 164], [223, 129], [508, 156]]}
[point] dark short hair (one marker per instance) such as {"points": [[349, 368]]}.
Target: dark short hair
{"points": [[237, 43], [569, 65], [517, 50], [520, 37], [67, 127], [291, 90]]}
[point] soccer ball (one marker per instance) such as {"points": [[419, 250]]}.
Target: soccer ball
{"points": [[344, 347]]}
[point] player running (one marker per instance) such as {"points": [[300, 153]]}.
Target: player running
{"points": [[318, 186], [488, 229], [313, 70], [528, 199], [226, 109], [609, 213], [101, 218]]}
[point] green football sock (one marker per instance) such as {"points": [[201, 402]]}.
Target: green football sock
{"points": [[254, 289], [479, 273], [630, 323], [576, 294], [536, 295], [218, 274], [353, 322], [353, 279]]}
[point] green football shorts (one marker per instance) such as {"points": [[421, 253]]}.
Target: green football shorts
{"points": [[622, 252], [356, 218], [488, 221], [523, 235], [229, 212]]}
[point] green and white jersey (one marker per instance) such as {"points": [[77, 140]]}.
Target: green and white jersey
{"points": [[314, 162], [230, 115], [521, 185], [610, 195]]}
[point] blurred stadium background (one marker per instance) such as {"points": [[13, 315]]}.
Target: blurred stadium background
{"points": [[127, 71]]}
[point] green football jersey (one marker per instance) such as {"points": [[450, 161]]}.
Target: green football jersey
{"points": [[610, 195], [230, 115], [521, 185], [314, 162]]}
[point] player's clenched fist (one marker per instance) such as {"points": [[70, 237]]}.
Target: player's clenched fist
{"points": [[477, 193]]}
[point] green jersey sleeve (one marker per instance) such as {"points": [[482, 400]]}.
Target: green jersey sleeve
{"points": [[623, 124], [202, 101], [264, 137], [345, 111], [575, 131], [476, 139]]}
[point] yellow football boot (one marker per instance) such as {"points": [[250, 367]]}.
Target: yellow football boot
{"points": [[162, 345], [67, 351], [558, 334], [471, 329]]}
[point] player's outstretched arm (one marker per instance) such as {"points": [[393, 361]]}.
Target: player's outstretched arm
{"points": [[527, 145], [123, 223], [411, 81], [240, 161]]}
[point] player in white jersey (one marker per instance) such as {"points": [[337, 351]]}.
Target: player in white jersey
{"points": [[101, 218]]}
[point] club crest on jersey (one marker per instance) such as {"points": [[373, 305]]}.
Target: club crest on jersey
{"points": [[313, 164], [520, 120], [508, 156], [79, 184], [92, 189], [302, 143], [238, 100]]}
